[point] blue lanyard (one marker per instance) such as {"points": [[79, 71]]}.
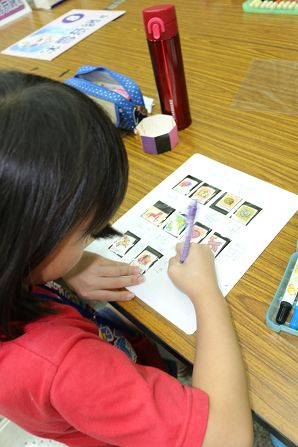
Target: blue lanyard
{"points": [[84, 309], [104, 324]]}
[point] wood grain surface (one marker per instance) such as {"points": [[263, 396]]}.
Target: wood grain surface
{"points": [[219, 43]]}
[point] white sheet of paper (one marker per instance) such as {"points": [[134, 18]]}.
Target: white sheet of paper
{"points": [[61, 34], [247, 239]]}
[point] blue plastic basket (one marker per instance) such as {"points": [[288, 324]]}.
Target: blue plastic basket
{"points": [[276, 442], [274, 306]]}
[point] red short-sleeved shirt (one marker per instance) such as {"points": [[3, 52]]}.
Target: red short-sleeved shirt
{"points": [[61, 381]]}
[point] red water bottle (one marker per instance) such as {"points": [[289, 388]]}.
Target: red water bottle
{"points": [[166, 57]]}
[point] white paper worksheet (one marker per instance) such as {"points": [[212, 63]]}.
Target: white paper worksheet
{"points": [[237, 217]]}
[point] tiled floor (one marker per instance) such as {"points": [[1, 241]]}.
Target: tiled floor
{"points": [[262, 437]]}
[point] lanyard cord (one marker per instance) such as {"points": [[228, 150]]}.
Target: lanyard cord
{"points": [[105, 332], [84, 309]]}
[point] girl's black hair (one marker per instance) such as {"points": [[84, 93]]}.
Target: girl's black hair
{"points": [[61, 161]]}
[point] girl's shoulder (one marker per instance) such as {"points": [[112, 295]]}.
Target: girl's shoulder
{"points": [[52, 336]]}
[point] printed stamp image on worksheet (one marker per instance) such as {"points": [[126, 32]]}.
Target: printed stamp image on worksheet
{"points": [[187, 185], [199, 232], [217, 243], [146, 259], [226, 203], [158, 213], [245, 213], [236, 217], [205, 193], [125, 243], [175, 224]]}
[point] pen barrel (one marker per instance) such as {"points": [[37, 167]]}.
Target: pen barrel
{"points": [[185, 250]]}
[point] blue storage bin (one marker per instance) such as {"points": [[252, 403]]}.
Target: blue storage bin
{"points": [[274, 306], [276, 442]]}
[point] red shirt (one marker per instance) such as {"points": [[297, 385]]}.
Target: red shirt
{"points": [[61, 381]]}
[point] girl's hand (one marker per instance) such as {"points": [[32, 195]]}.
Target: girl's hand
{"points": [[99, 279], [196, 276]]}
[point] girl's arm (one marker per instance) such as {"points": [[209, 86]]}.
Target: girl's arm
{"points": [[218, 367]]}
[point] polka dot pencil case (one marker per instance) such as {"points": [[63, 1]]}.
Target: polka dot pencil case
{"points": [[119, 95], [271, 6]]}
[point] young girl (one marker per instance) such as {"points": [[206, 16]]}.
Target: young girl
{"points": [[63, 174]]}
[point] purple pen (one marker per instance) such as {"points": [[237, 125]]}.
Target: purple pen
{"points": [[191, 214]]}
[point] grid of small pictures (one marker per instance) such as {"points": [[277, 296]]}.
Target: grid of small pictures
{"points": [[225, 202], [175, 223]]}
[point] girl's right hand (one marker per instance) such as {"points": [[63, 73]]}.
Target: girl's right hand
{"points": [[196, 276]]}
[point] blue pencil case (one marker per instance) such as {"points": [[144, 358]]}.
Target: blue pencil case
{"points": [[274, 306], [119, 95]]}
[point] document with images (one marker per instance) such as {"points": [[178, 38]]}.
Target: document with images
{"points": [[238, 216], [61, 34]]}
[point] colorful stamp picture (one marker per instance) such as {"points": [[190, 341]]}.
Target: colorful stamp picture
{"points": [[199, 232], [226, 203], [158, 213], [205, 193], [175, 224], [186, 185], [146, 259], [125, 243], [217, 243], [246, 212]]}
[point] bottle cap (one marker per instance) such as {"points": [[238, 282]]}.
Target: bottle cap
{"points": [[160, 22], [294, 319], [283, 312]]}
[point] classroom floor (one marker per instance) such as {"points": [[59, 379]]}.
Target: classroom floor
{"points": [[262, 437]]}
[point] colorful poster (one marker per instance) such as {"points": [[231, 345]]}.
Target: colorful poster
{"points": [[61, 34]]}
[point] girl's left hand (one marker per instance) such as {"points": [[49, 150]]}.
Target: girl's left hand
{"points": [[99, 279]]}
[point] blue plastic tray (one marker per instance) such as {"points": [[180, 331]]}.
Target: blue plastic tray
{"points": [[274, 306]]}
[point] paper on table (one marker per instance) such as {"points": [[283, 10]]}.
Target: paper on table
{"points": [[61, 34], [238, 216]]}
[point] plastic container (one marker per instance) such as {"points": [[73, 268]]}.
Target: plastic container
{"points": [[166, 56], [274, 306], [276, 442]]}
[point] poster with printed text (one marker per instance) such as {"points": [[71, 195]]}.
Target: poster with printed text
{"points": [[61, 34]]}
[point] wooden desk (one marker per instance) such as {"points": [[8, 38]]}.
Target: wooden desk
{"points": [[219, 42]]}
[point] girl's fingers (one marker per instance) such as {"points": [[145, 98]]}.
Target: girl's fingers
{"points": [[111, 295], [117, 282], [117, 270]]}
